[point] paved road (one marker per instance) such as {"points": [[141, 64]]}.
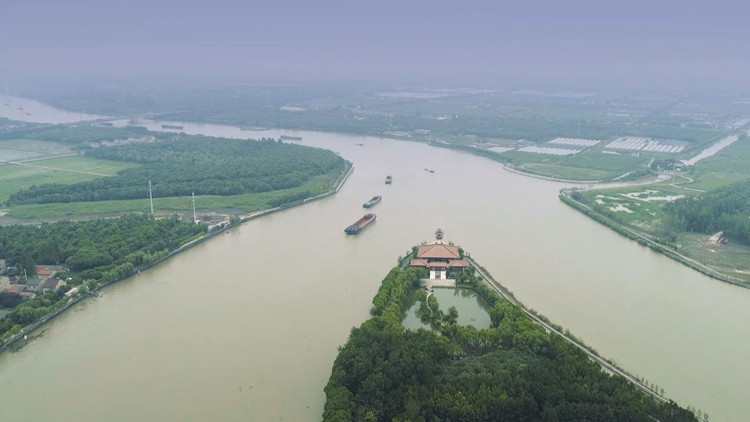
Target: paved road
{"points": [[18, 163]]}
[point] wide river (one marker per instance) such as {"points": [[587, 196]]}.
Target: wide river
{"points": [[246, 325]]}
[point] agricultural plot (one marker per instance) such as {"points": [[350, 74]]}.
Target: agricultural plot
{"points": [[28, 149], [726, 167], [548, 150], [574, 141], [66, 170], [248, 202], [639, 143]]}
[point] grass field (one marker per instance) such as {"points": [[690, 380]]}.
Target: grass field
{"points": [[628, 205], [65, 170], [236, 203], [732, 164], [730, 259], [567, 173], [638, 206]]}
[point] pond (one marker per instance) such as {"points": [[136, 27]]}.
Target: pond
{"points": [[472, 308]]}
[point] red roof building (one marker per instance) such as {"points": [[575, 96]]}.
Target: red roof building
{"points": [[43, 271], [438, 256], [51, 283], [14, 289]]}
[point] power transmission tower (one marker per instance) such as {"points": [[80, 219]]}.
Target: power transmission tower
{"points": [[150, 197]]}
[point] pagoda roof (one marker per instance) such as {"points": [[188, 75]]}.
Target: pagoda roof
{"points": [[438, 250], [416, 262]]}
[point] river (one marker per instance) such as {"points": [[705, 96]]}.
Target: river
{"points": [[246, 325]]}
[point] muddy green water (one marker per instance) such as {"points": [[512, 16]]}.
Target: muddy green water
{"points": [[246, 326], [472, 309]]}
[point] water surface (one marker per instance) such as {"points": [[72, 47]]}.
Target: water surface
{"points": [[246, 326]]}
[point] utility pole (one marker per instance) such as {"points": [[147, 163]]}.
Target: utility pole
{"points": [[150, 197], [195, 217]]}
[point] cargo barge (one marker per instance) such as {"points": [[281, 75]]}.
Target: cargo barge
{"points": [[360, 224], [172, 127], [373, 201]]}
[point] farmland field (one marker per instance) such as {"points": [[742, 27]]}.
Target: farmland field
{"points": [[64, 170], [243, 203], [25, 149]]}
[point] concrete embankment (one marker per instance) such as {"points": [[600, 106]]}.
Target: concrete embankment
{"points": [[28, 329], [651, 243], [495, 285]]}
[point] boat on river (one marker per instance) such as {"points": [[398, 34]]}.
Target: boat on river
{"points": [[360, 224], [178, 127], [290, 138], [373, 201], [388, 180]]}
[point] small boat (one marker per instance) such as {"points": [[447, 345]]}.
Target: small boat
{"points": [[430, 170], [172, 127], [360, 145], [388, 180], [373, 201], [290, 138], [360, 224]]}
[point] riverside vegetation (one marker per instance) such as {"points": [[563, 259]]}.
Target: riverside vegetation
{"points": [[226, 175], [94, 252], [193, 164], [680, 214], [475, 120], [512, 371]]}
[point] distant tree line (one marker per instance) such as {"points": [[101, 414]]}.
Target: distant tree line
{"points": [[725, 209], [95, 252], [80, 134], [193, 164], [512, 371]]}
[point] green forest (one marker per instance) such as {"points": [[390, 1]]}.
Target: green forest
{"points": [[512, 371], [95, 252], [193, 164], [725, 209]]}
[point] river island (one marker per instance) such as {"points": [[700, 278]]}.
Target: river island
{"points": [[514, 369]]}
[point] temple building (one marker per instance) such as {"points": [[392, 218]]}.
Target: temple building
{"points": [[439, 258]]}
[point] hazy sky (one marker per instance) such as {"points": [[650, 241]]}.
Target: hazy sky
{"points": [[638, 42]]}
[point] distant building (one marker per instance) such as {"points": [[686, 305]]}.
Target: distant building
{"points": [[43, 272], [13, 295]]}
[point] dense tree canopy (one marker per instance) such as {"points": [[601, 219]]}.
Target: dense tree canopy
{"points": [[512, 371], [725, 209], [95, 252], [194, 164]]}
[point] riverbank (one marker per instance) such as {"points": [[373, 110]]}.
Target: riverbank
{"points": [[565, 334], [79, 296], [647, 241]]}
